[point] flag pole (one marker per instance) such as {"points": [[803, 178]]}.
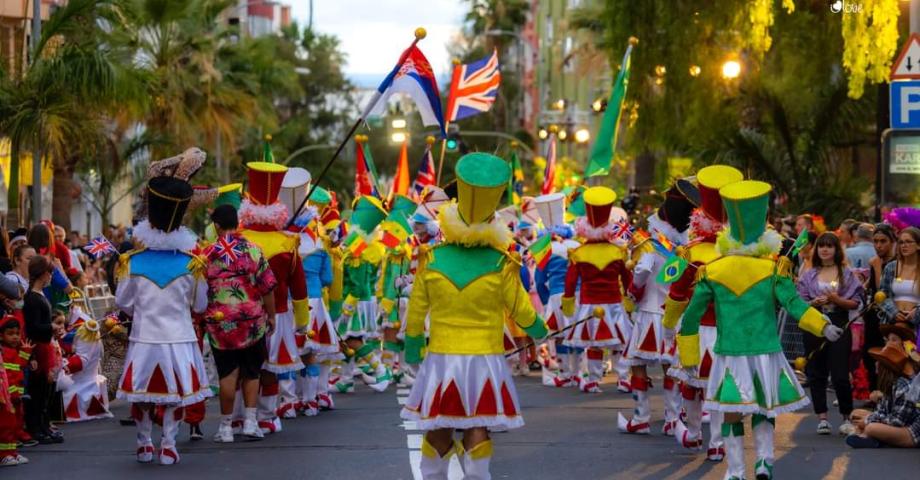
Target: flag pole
{"points": [[420, 33], [454, 76]]}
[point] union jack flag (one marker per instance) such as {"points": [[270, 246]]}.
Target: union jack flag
{"points": [[227, 248], [426, 174], [473, 88], [623, 229], [99, 246]]}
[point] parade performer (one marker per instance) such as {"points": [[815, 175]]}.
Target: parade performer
{"points": [[263, 217], [331, 236], [749, 374], [358, 323], [159, 285], [549, 279], [295, 386], [706, 222], [322, 341], [468, 288], [16, 351], [648, 345], [83, 389], [395, 282], [600, 267]]}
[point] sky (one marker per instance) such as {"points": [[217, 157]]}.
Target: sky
{"points": [[374, 32]]}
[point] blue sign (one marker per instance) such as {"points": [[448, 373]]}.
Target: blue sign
{"points": [[905, 104]]}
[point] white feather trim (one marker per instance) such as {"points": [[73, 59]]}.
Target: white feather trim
{"points": [[584, 230], [486, 234], [657, 225], [275, 215], [156, 239], [769, 243], [702, 225]]}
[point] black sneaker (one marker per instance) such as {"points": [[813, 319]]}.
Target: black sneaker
{"points": [[857, 441], [43, 439], [28, 443], [126, 422], [194, 433]]}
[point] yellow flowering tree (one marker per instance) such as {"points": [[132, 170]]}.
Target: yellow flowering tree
{"points": [[870, 41]]}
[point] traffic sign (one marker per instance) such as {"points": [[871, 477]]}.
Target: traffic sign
{"points": [[907, 66], [905, 104]]}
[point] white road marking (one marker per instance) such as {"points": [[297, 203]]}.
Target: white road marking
{"points": [[414, 444]]}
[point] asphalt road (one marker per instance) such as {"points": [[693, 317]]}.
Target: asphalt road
{"points": [[568, 435]]}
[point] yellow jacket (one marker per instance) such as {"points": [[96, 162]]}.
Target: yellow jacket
{"points": [[468, 291]]}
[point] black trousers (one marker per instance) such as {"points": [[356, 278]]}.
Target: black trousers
{"points": [[833, 360], [873, 338], [37, 418]]}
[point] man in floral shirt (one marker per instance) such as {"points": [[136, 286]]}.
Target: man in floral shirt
{"points": [[241, 311]]}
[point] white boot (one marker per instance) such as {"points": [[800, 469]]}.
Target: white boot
{"points": [[168, 453], [595, 371], [684, 438], [716, 451], [693, 406], [288, 396], [308, 399], [144, 421], [639, 424], [733, 434], [619, 366], [763, 444], [671, 406], [266, 406], [433, 465], [476, 461]]}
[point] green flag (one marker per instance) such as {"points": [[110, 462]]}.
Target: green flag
{"points": [[516, 182], [267, 155], [371, 168], [605, 144], [672, 269], [800, 242]]}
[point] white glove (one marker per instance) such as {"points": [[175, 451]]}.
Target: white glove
{"points": [[832, 333], [669, 333]]}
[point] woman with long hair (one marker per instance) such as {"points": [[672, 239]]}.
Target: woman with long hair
{"points": [[37, 313], [835, 290], [884, 240], [901, 281]]}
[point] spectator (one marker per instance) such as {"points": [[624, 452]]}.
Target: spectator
{"points": [[17, 238], [835, 290], [805, 254], [804, 222], [40, 330], [883, 240], [61, 248], [862, 251], [901, 281], [896, 420], [58, 290], [5, 265], [241, 311], [844, 232], [16, 352]]}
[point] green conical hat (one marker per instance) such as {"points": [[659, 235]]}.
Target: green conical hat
{"points": [[320, 196], [229, 195], [404, 204], [481, 181], [746, 205], [367, 213]]}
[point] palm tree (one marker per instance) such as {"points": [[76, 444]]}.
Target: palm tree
{"points": [[56, 103]]}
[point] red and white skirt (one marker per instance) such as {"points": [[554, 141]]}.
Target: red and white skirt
{"points": [[164, 373], [700, 375], [85, 396], [612, 331], [325, 341], [283, 352], [647, 345], [555, 319], [463, 391]]}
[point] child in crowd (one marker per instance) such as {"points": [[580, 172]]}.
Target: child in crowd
{"points": [[16, 352]]}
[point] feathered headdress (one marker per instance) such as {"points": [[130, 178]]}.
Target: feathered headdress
{"points": [[901, 218]]}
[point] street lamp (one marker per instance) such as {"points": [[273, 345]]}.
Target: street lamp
{"points": [[582, 135], [398, 123], [562, 135], [599, 105], [731, 69], [542, 133], [398, 137], [695, 70]]}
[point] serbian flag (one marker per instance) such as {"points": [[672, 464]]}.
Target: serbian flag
{"points": [[412, 76], [473, 88], [549, 173], [541, 251], [401, 179], [426, 173], [365, 172]]}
